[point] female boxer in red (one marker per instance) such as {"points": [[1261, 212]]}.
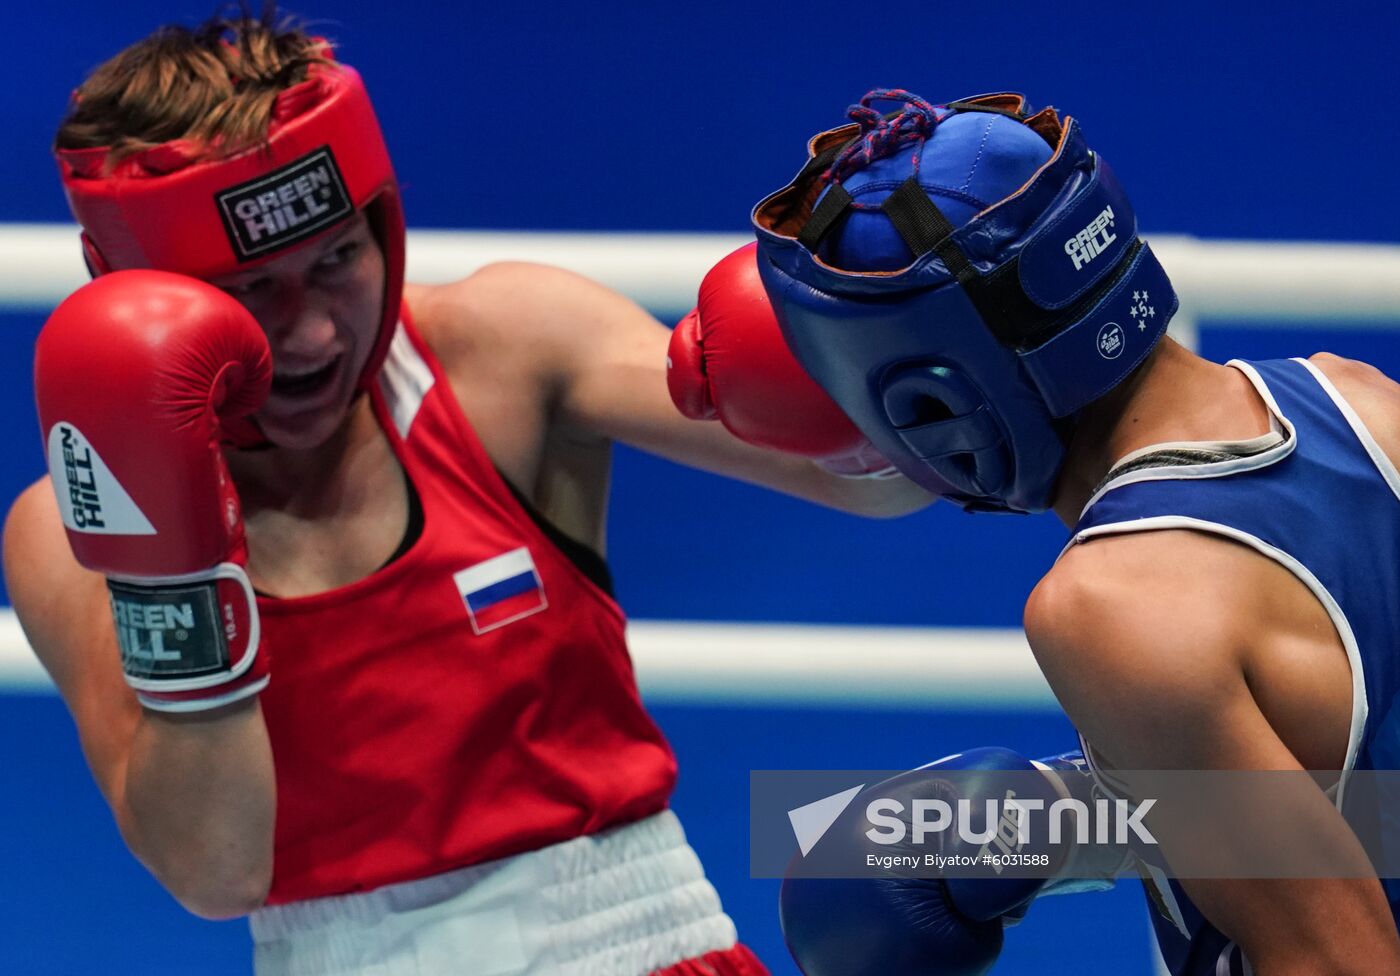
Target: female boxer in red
{"points": [[388, 711]]}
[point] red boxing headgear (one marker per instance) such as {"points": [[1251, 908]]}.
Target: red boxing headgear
{"points": [[179, 207]]}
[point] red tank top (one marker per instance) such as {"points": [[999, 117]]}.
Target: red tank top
{"points": [[471, 700]]}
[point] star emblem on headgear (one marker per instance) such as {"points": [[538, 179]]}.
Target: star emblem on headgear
{"points": [[1140, 311]]}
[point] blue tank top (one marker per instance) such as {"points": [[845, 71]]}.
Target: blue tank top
{"points": [[1325, 504]]}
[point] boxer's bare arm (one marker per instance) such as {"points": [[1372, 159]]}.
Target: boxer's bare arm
{"points": [[604, 359], [1177, 650], [193, 795]]}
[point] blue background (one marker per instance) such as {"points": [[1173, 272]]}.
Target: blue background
{"points": [[1224, 120]]}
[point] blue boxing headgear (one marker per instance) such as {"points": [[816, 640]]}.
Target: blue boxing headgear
{"points": [[962, 280]]}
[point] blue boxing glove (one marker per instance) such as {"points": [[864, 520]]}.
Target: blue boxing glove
{"points": [[937, 926]]}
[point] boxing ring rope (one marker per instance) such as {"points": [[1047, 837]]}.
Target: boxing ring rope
{"points": [[1248, 283], [1264, 282]]}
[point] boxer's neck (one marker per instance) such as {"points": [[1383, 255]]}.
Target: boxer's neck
{"points": [[1176, 396], [309, 480]]}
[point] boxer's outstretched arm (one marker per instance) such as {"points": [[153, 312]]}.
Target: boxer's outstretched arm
{"points": [[193, 795], [1147, 640], [606, 358]]}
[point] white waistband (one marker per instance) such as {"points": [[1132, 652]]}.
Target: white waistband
{"points": [[624, 902]]}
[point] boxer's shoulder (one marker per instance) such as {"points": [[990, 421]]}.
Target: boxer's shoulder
{"points": [[1374, 396], [490, 338], [1166, 626], [1181, 598], [482, 316], [37, 558], [510, 309], [508, 337], [1341, 369], [1131, 579], [1141, 638]]}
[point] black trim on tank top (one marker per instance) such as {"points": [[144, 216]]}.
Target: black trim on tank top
{"points": [[588, 562], [592, 565], [414, 529], [411, 533]]}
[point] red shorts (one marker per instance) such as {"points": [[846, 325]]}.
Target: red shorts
{"points": [[738, 961]]}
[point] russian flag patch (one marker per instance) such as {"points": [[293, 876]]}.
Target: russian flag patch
{"points": [[500, 590]]}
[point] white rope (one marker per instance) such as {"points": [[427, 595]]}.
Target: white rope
{"points": [[702, 663], [1267, 283], [19, 670]]}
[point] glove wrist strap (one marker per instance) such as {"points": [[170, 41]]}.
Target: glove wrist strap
{"points": [[185, 635]]}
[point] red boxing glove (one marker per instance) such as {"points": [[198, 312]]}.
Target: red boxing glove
{"points": [[728, 361], [138, 377]]}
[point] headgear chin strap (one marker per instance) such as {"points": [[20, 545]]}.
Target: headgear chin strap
{"points": [[181, 207], [962, 336]]}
